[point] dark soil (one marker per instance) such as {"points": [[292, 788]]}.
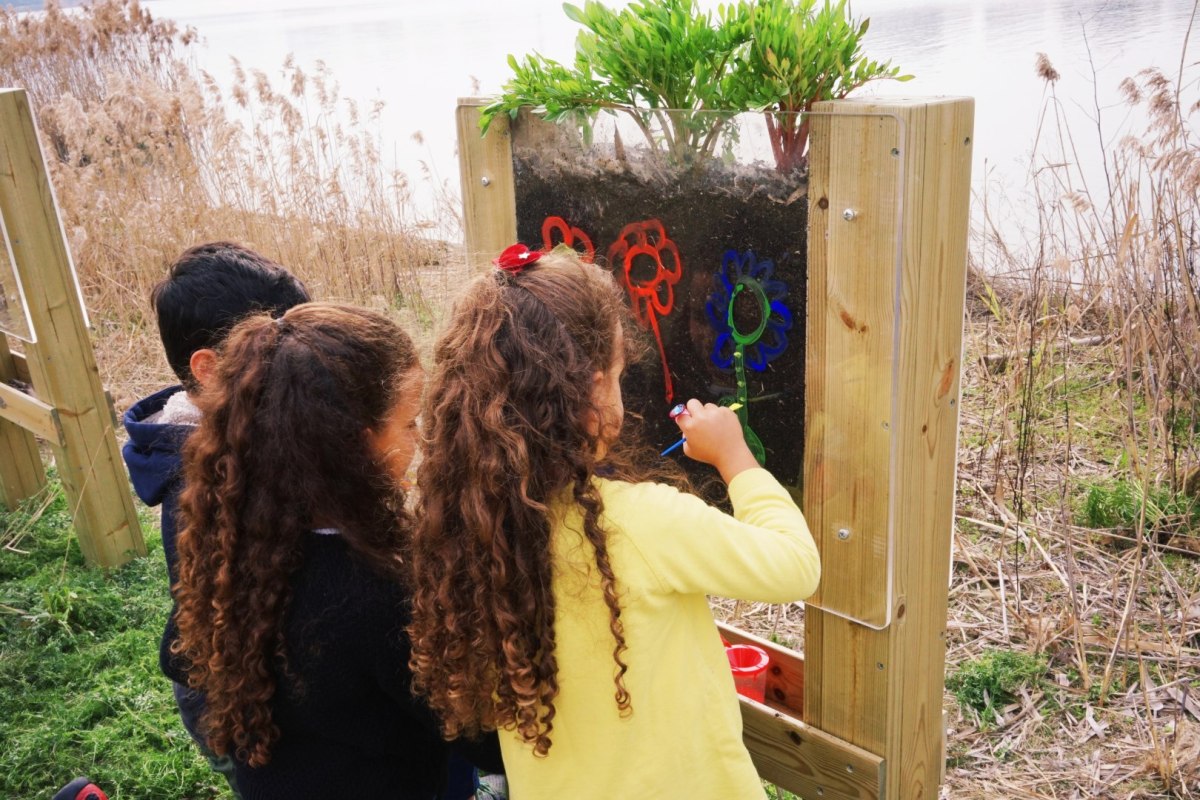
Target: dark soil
{"points": [[706, 212]]}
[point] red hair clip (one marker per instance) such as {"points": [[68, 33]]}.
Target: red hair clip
{"points": [[515, 258]]}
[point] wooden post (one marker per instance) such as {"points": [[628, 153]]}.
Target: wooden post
{"points": [[887, 269], [61, 363], [21, 473], [489, 199]]}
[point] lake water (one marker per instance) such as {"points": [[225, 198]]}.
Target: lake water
{"points": [[421, 56]]}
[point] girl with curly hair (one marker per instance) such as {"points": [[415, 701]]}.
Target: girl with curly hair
{"points": [[291, 594], [559, 590]]}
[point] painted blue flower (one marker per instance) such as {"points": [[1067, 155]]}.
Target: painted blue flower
{"points": [[744, 273]]}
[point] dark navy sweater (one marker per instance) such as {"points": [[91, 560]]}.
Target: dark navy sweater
{"points": [[349, 724]]}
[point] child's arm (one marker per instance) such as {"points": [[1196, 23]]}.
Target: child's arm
{"points": [[764, 552], [714, 436]]}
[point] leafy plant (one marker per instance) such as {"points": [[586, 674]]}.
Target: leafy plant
{"points": [[1118, 504], [681, 74], [992, 680], [659, 62], [799, 53]]}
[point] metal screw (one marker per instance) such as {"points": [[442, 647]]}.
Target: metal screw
{"points": [[850, 768], [486, 181], [879, 666], [849, 215], [895, 152], [843, 533], [887, 427], [967, 140], [953, 401]]}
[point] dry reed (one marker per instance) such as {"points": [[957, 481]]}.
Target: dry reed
{"points": [[147, 158]]}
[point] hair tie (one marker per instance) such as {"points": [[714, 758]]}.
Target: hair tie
{"points": [[515, 258]]}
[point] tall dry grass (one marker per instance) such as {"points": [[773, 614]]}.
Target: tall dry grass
{"points": [[1079, 464], [147, 158]]}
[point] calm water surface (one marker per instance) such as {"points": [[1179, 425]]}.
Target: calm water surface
{"points": [[421, 56]]}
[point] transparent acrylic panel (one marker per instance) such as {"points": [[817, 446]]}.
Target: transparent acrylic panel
{"points": [[14, 312], [704, 219]]}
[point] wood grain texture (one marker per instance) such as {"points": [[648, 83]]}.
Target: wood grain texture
{"points": [[21, 472], [62, 366], [20, 366], [486, 172], [807, 761], [882, 689], [848, 408], [31, 414]]}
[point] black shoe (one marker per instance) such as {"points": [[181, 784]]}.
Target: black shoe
{"points": [[81, 789]]}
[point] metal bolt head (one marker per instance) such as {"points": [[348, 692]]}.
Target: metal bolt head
{"points": [[486, 181], [849, 215], [843, 533]]}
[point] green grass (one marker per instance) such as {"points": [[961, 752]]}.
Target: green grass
{"points": [[1118, 504], [80, 689], [992, 681]]}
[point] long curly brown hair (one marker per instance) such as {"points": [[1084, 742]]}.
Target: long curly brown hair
{"points": [[282, 449], [506, 432]]}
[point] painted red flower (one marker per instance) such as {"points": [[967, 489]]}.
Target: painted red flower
{"points": [[649, 264], [515, 258], [556, 230]]}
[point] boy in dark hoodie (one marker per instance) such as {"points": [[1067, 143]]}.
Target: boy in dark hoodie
{"points": [[207, 291]]}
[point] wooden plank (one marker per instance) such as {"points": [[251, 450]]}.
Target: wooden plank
{"points": [[785, 676], [807, 761], [31, 414], [790, 754], [850, 328], [21, 471], [486, 172], [62, 365], [20, 368], [882, 689]]}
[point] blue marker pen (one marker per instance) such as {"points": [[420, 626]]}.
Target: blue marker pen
{"points": [[679, 411]]}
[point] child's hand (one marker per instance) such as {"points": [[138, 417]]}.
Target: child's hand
{"points": [[714, 436]]}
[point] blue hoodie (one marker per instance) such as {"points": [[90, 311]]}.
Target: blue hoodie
{"points": [[154, 455], [155, 460]]}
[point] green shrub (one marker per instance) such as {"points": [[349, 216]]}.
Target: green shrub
{"points": [[663, 62], [1118, 504], [992, 681]]}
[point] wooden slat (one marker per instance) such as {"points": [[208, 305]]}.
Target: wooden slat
{"points": [[785, 676], [807, 761], [486, 172], [31, 414], [21, 471], [20, 368], [851, 316], [882, 689], [62, 366]]}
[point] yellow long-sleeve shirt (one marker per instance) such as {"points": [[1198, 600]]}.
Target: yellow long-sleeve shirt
{"points": [[668, 550]]}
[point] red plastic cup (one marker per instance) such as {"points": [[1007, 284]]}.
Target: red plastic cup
{"points": [[749, 666]]}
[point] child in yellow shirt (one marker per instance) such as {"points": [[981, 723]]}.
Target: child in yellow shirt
{"points": [[559, 594]]}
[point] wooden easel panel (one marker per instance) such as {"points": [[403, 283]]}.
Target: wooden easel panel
{"points": [[855, 212]]}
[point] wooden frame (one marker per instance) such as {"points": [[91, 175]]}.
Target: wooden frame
{"points": [[860, 715], [64, 402]]}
